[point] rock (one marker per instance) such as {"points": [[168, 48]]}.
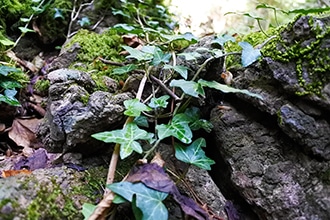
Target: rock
{"points": [[273, 153], [75, 112]]}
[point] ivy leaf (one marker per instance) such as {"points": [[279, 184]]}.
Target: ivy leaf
{"points": [[189, 87], [58, 13], [160, 102], [119, 12], [87, 210], [149, 201], [194, 154], [178, 127], [10, 85], [10, 101], [25, 30], [249, 54], [135, 107], [125, 28], [182, 70], [84, 21], [141, 121], [187, 36], [126, 137], [124, 69], [4, 70], [221, 40], [190, 56], [5, 41], [160, 57], [226, 89], [196, 123], [137, 54]]}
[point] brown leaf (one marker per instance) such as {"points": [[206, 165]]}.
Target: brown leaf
{"points": [[38, 159], [8, 173], [23, 132], [132, 40]]}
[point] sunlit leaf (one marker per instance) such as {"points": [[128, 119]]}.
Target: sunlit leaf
{"points": [[24, 20], [124, 69], [5, 41], [187, 36], [87, 210], [9, 100], [126, 137], [134, 107], [137, 54], [149, 201], [188, 87], [160, 102], [84, 21], [25, 30], [178, 127], [226, 89], [309, 11], [194, 154], [249, 54], [182, 70]]}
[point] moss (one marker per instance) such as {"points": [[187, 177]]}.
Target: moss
{"points": [[255, 39], [310, 56], [106, 45], [10, 204], [84, 99], [42, 86]]}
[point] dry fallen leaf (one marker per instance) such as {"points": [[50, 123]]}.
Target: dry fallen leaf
{"points": [[8, 173], [23, 132]]}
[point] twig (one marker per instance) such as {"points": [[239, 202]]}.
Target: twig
{"points": [[161, 84]]}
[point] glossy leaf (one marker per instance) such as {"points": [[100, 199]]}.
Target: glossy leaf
{"points": [[160, 102], [10, 84], [149, 201], [124, 69], [188, 87], [178, 127], [194, 154], [182, 70], [58, 13], [126, 137], [84, 21], [226, 89], [249, 54], [137, 54], [87, 210], [25, 30], [141, 121], [134, 107], [9, 100]]}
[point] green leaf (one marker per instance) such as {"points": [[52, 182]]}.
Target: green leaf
{"points": [[125, 28], [141, 121], [194, 154], [179, 128], [221, 40], [135, 107], [10, 84], [160, 57], [149, 201], [120, 12], [84, 21], [160, 102], [309, 11], [58, 13], [5, 41], [25, 30], [197, 123], [249, 54], [124, 69], [187, 36], [126, 137], [9, 100], [4, 70], [25, 20], [182, 70], [226, 89], [188, 87], [190, 56], [87, 210], [137, 54]]}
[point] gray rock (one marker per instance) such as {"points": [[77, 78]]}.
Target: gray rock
{"points": [[75, 112]]}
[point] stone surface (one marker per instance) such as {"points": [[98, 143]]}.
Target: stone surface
{"points": [[75, 112], [274, 152]]}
